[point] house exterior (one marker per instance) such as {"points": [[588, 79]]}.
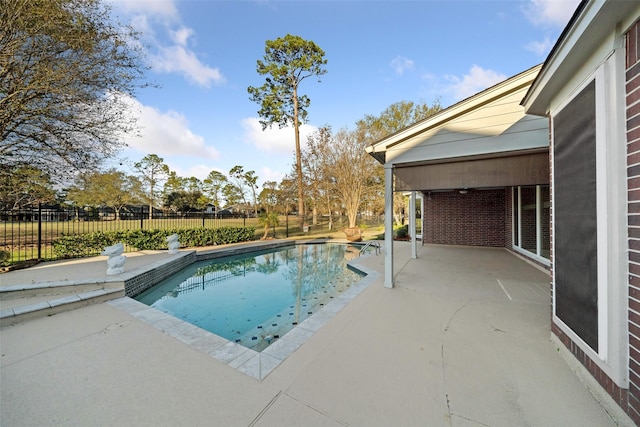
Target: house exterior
{"points": [[589, 88], [547, 164], [482, 168]]}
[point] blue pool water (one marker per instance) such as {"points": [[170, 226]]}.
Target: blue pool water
{"points": [[253, 299]]}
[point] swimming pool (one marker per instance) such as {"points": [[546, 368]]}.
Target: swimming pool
{"points": [[255, 298]]}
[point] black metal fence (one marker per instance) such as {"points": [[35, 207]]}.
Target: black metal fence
{"points": [[28, 234]]}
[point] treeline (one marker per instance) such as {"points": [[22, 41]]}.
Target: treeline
{"points": [[339, 177]]}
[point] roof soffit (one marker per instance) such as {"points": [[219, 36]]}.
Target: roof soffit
{"points": [[500, 90], [593, 22]]}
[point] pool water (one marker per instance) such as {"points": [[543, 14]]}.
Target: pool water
{"points": [[255, 298]]}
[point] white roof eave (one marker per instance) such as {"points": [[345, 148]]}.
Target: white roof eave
{"points": [[594, 21], [466, 105]]}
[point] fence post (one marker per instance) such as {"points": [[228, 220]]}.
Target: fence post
{"points": [[203, 215], [39, 230], [141, 218]]}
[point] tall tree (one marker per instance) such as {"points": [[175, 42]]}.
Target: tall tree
{"points": [[287, 62], [246, 180], [152, 171], [212, 187], [232, 194], [316, 171], [66, 69], [352, 171], [112, 188], [269, 195]]}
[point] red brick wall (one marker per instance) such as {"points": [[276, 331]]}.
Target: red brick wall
{"points": [[475, 219], [508, 217], [621, 396], [633, 183]]}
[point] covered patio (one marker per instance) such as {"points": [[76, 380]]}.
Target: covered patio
{"points": [[463, 339], [481, 167]]}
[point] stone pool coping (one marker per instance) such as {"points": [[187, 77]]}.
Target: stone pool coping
{"points": [[131, 283], [255, 364]]}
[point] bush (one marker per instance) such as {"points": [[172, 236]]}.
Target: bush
{"points": [[81, 245], [4, 258], [402, 232]]}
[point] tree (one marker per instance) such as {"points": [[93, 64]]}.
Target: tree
{"points": [[66, 70], [269, 195], [287, 61], [245, 180], [152, 171], [25, 186], [112, 188], [212, 187], [232, 194], [183, 194], [317, 172], [352, 171], [394, 118], [268, 219]]}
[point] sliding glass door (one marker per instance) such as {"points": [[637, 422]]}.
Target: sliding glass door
{"points": [[531, 210]]}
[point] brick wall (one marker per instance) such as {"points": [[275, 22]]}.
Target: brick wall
{"points": [[475, 219], [633, 183], [508, 217]]}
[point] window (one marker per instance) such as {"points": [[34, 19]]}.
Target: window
{"points": [[575, 218], [590, 259], [531, 211]]}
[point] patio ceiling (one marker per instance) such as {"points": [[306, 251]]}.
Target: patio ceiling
{"points": [[527, 167]]}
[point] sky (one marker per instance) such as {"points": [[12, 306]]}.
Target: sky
{"points": [[202, 56]]}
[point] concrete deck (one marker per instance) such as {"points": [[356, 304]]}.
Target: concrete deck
{"points": [[463, 340]]}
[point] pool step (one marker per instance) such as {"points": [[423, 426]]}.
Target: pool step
{"points": [[54, 288], [21, 303]]}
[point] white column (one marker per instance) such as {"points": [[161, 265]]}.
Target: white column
{"points": [[412, 225], [388, 226]]}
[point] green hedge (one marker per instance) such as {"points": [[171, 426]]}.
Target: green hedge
{"points": [[80, 245]]}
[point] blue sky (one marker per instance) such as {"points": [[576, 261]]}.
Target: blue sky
{"points": [[203, 53]]}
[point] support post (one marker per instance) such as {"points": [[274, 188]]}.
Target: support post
{"points": [[412, 225], [388, 226]]}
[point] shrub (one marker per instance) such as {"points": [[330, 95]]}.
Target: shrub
{"points": [[402, 232], [80, 245], [4, 258]]}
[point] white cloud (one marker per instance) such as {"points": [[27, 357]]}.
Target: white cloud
{"points": [[274, 139], [400, 64], [165, 133], [199, 171], [550, 12], [540, 48], [181, 35], [158, 21], [268, 174], [477, 80], [180, 59]]}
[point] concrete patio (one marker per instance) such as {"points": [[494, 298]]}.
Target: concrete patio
{"points": [[462, 340]]}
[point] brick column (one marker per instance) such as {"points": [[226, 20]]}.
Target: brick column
{"points": [[632, 89]]}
